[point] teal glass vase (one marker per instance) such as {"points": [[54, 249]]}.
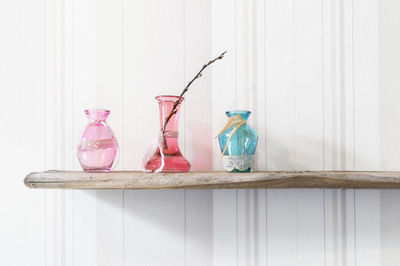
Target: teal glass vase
{"points": [[240, 149]]}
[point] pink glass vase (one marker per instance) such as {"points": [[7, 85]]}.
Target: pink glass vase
{"points": [[98, 146], [173, 158]]}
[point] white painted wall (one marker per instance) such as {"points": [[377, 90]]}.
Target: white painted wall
{"points": [[321, 78]]}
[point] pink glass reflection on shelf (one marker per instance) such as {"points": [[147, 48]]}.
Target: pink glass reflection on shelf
{"points": [[98, 146]]}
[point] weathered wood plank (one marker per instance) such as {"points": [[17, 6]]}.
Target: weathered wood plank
{"points": [[214, 180]]}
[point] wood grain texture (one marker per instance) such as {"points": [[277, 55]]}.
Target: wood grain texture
{"points": [[214, 180]]}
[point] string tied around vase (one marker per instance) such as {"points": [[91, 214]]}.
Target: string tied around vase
{"points": [[235, 121]]}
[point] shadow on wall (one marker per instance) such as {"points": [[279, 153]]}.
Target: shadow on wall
{"points": [[279, 156], [283, 156], [308, 154]]}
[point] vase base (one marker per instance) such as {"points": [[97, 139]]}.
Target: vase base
{"points": [[240, 171], [96, 170], [172, 164]]}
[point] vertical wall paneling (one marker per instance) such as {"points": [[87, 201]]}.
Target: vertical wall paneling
{"points": [[366, 86], [225, 247], [367, 227], [389, 78], [281, 227], [389, 55], [260, 227], [349, 231], [303, 125], [110, 95], [279, 58], [110, 237], [29, 205], [22, 211], [58, 119], [85, 228], [279, 85], [333, 229], [259, 83], [308, 106], [250, 93], [245, 66], [339, 227], [310, 232], [245, 227], [390, 230], [308, 96], [251, 227], [53, 242], [332, 82], [199, 227], [338, 128], [287, 226], [347, 91], [258, 55], [154, 228], [69, 137], [331, 36]]}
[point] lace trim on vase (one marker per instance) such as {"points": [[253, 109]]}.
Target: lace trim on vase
{"points": [[238, 162]]}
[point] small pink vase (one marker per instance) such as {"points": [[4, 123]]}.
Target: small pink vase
{"points": [[98, 146], [173, 158]]}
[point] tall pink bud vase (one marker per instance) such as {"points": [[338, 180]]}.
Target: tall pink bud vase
{"points": [[98, 146], [171, 154]]}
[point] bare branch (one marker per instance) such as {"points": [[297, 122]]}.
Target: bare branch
{"points": [[198, 75]]}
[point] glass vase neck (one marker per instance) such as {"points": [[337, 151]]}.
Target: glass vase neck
{"points": [[97, 114], [166, 105], [243, 113]]}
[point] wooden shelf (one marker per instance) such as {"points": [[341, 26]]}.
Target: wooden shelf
{"points": [[213, 180]]}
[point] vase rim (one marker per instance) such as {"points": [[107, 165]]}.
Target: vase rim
{"points": [[97, 114], [97, 110], [168, 97], [238, 111], [243, 113]]}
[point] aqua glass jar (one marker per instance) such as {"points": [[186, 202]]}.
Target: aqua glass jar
{"points": [[240, 148]]}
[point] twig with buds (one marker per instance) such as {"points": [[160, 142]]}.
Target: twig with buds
{"points": [[176, 103]]}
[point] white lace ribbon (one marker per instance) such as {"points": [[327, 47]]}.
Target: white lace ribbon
{"points": [[238, 162]]}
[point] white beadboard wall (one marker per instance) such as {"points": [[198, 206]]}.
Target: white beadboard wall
{"points": [[322, 78]]}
